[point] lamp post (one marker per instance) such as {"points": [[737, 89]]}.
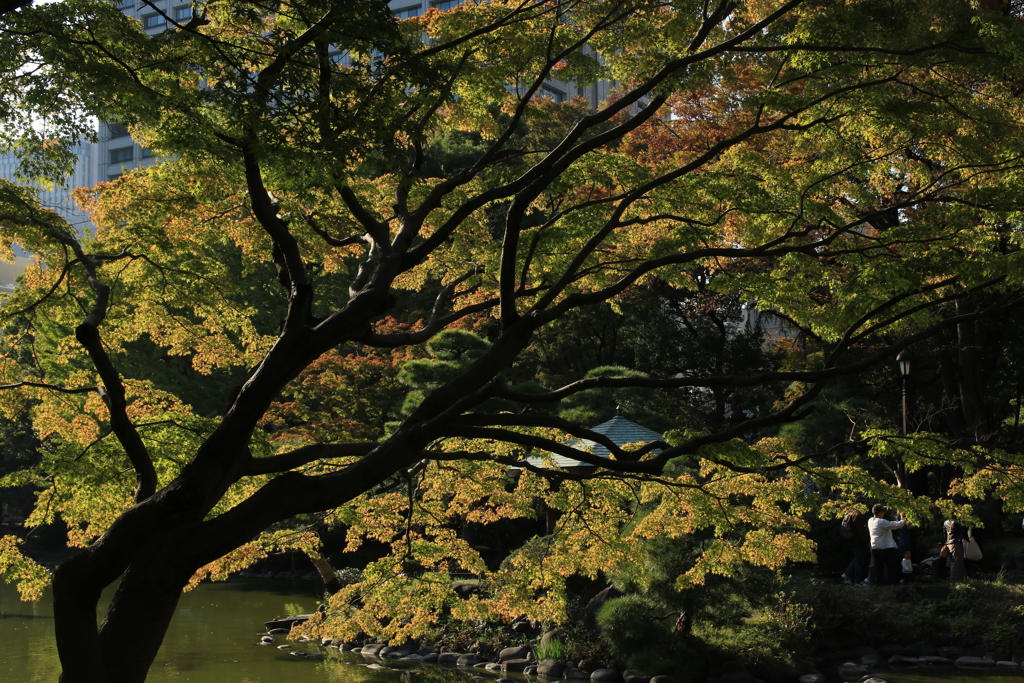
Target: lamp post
{"points": [[903, 359]]}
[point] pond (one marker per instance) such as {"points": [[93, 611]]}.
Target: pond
{"points": [[212, 639], [214, 636]]}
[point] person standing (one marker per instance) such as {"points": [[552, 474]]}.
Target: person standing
{"points": [[855, 533], [955, 535], [884, 551]]}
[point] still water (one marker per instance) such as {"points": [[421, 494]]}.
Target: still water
{"points": [[213, 639]]}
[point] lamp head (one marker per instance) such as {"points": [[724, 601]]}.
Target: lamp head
{"points": [[903, 359]]}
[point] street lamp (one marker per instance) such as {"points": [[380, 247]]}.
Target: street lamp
{"points": [[903, 360]]}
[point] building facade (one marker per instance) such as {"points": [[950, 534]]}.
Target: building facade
{"points": [[115, 152]]}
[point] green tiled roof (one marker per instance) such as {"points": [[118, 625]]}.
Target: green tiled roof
{"points": [[621, 432]]}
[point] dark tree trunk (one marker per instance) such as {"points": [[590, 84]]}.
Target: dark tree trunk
{"points": [[972, 378]]}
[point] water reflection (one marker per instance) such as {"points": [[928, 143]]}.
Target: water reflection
{"points": [[212, 639], [215, 634]]}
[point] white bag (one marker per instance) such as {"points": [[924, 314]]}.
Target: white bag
{"points": [[972, 551]]}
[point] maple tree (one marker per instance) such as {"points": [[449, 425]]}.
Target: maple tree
{"points": [[852, 165]]}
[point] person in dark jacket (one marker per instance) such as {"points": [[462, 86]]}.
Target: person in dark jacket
{"points": [[856, 536], [955, 536]]}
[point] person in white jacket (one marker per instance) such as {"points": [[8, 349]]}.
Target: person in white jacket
{"points": [[886, 565]]}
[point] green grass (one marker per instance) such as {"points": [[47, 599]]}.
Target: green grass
{"points": [[553, 649]]}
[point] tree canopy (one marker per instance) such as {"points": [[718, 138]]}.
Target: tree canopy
{"points": [[351, 199]]}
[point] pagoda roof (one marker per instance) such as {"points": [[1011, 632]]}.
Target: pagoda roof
{"points": [[618, 429]]}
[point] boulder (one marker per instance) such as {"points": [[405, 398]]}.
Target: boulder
{"points": [[481, 665], [1018, 656], [605, 676], [873, 679], [284, 647], [664, 678], [525, 627], [890, 650], [575, 674], [936, 660], [976, 662], [450, 658], [279, 631], [372, 649], [545, 640], [464, 590], [1007, 664], [507, 680], [345, 647], [468, 659], [951, 651], [872, 659], [431, 658], [851, 671], [267, 640], [813, 677], [530, 670], [589, 618], [552, 668], [630, 676], [901, 660], [515, 664], [414, 657], [327, 642], [492, 666], [521, 652]]}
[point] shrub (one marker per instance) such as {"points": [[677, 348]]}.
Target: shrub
{"points": [[647, 643]]}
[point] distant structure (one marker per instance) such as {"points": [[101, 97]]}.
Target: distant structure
{"points": [[559, 91], [618, 429], [57, 198], [110, 156], [115, 152]]}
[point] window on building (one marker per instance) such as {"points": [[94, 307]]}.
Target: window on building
{"points": [[408, 12], [152, 21], [121, 154], [114, 176], [117, 130], [124, 4], [146, 152], [444, 4], [553, 93], [183, 14]]}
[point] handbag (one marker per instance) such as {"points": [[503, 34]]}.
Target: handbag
{"points": [[972, 551]]}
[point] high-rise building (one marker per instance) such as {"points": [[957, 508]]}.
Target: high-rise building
{"points": [[112, 154], [56, 198], [115, 152], [559, 91]]}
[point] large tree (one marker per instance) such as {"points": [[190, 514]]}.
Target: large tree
{"points": [[849, 164]]}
